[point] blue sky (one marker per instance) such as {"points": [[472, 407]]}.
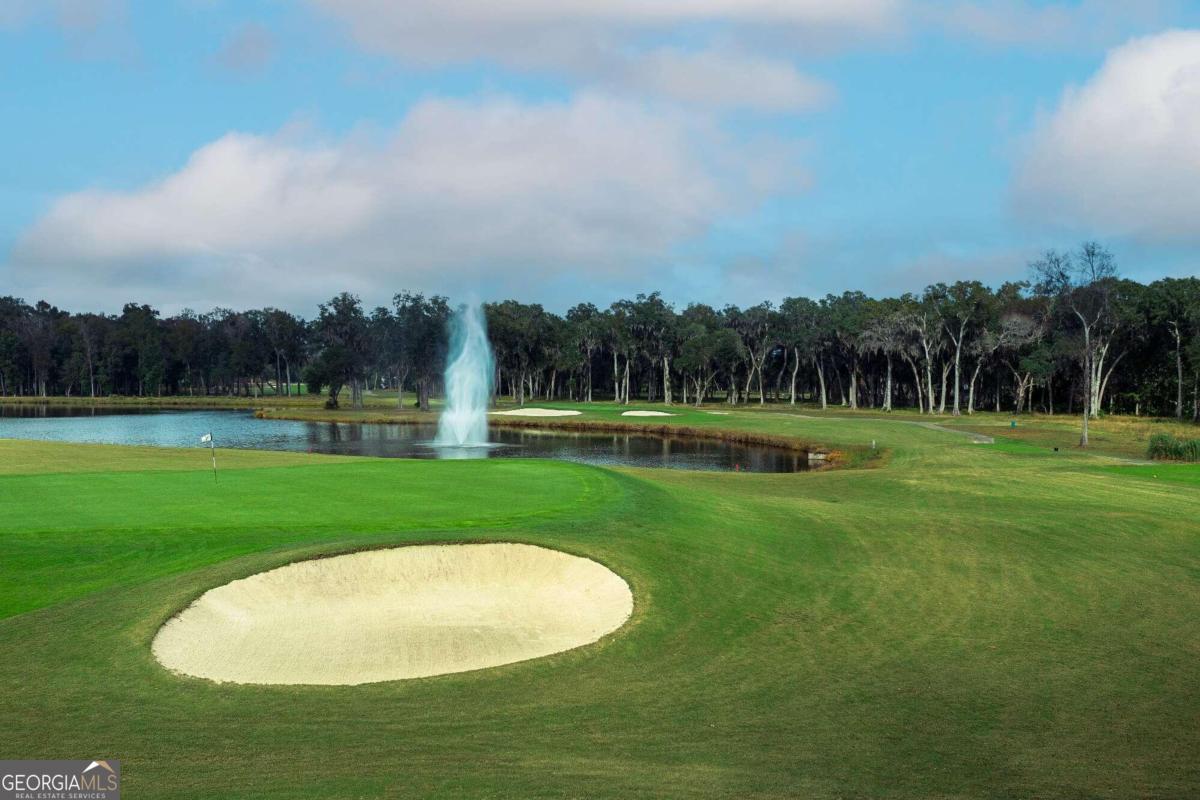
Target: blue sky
{"points": [[192, 153]]}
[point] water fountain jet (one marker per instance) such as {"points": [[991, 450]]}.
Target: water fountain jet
{"points": [[469, 372]]}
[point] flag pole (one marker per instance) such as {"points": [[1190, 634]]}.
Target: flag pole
{"points": [[213, 448]]}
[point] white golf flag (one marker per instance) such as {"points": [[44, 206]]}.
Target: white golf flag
{"points": [[206, 438]]}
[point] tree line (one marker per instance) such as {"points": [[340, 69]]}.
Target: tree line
{"points": [[1073, 338]]}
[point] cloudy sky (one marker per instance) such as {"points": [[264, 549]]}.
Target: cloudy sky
{"points": [[196, 153]]}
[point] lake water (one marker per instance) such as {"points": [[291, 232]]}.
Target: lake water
{"points": [[240, 429]]}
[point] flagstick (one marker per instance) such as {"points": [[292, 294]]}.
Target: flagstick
{"points": [[213, 446]]}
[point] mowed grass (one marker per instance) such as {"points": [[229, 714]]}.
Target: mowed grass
{"points": [[1122, 437], [26, 457], [71, 533], [962, 621]]}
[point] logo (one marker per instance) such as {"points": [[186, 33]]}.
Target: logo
{"points": [[60, 780]]}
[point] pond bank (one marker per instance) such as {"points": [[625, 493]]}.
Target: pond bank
{"points": [[815, 451]]}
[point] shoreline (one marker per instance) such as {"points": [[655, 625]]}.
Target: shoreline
{"points": [[816, 452], [308, 408]]}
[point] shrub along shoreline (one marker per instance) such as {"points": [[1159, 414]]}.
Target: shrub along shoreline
{"points": [[1165, 447]]}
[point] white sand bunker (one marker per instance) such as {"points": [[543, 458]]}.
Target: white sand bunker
{"points": [[536, 412], [646, 414], [407, 612]]}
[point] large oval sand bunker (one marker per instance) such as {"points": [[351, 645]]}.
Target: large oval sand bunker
{"points": [[406, 612]]}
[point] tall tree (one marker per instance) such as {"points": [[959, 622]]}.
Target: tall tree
{"points": [[960, 306], [139, 332], [285, 334], [755, 327], [619, 341], [652, 325], [341, 335], [1173, 304], [424, 320], [925, 327], [801, 330], [1083, 287], [885, 332], [183, 338], [848, 315], [587, 331]]}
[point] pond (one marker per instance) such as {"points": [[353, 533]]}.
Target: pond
{"points": [[240, 429]]}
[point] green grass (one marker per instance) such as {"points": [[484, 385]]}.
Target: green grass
{"points": [[1164, 446], [23, 457], [964, 621], [121, 527], [1116, 436]]}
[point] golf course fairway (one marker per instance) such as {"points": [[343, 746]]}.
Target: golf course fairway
{"points": [[948, 620]]}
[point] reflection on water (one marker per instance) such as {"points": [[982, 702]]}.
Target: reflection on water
{"points": [[30, 411], [240, 429]]}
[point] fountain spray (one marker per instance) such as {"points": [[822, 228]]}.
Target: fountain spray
{"points": [[469, 372]]}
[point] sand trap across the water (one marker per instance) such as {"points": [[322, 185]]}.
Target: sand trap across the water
{"points": [[646, 414], [406, 612], [536, 412]]}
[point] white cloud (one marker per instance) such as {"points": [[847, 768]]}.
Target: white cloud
{"points": [[247, 51], [724, 80], [15, 14], [630, 44], [1121, 154], [91, 29], [1080, 23], [446, 31], [495, 195]]}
